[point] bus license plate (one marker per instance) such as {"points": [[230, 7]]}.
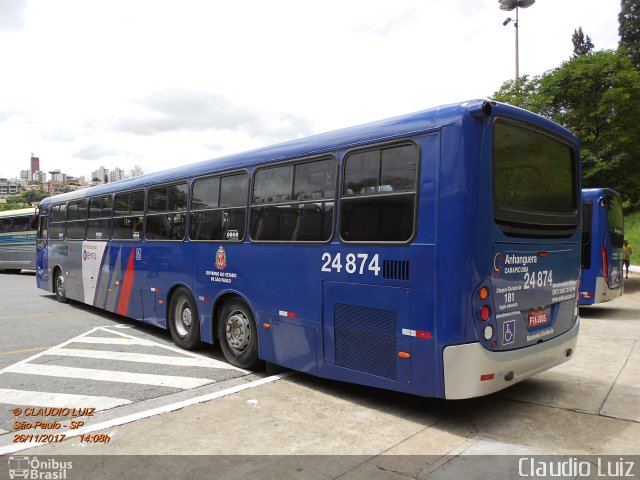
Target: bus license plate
{"points": [[537, 318]]}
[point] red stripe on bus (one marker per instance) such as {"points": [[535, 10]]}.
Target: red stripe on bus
{"points": [[126, 287]]}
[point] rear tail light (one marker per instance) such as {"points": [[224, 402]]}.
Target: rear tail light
{"points": [[605, 264], [488, 332], [485, 313], [484, 293]]}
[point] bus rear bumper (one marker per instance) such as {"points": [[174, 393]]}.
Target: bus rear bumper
{"points": [[470, 370], [604, 293]]}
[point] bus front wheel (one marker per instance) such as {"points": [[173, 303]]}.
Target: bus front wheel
{"points": [[238, 335], [184, 321], [58, 288]]}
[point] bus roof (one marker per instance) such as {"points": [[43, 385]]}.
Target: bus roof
{"points": [[350, 137], [20, 212], [591, 193]]}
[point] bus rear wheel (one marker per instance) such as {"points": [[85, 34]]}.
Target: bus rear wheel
{"points": [[238, 334], [58, 288], [184, 321]]}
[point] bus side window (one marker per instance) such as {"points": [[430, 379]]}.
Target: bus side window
{"points": [[166, 212], [128, 216], [76, 220], [99, 222], [43, 222], [57, 218], [21, 224], [379, 194], [294, 203], [5, 225], [218, 208]]}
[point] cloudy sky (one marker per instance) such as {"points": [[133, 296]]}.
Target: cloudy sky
{"points": [[158, 83]]}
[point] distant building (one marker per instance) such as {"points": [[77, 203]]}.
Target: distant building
{"points": [[35, 163], [55, 188], [101, 175], [38, 176], [9, 187], [137, 171], [25, 176], [116, 174], [57, 176]]}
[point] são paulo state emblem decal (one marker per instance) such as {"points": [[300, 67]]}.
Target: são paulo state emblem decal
{"points": [[221, 259]]}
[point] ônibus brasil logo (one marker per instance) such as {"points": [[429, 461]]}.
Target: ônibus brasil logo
{"points": [[221, 259]]}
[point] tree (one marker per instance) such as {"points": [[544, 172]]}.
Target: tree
{"points": [[31, 196], [523, 95], [597, 97], [629, 29], [581, 45]]}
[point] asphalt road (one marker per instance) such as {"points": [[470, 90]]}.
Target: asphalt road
{"points": [[54, 354]]}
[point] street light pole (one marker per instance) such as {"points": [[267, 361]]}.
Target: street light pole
{"points": [[510, 5], [517, 49]]}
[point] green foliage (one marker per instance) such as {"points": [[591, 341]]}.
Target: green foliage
{"points": [[10, 206], [632, 233], [629, 29], [597, 97], [26, 198], [581, 45]]}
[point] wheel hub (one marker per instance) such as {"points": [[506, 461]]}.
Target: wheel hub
{"points": [[238, 332], [183, 317]]}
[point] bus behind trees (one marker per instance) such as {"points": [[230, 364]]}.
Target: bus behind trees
{"points": [[436, 253], [17, 240], [602, 242]]}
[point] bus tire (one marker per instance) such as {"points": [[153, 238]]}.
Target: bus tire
{"points": [[58, 287], [184, 321], [238, 334]]}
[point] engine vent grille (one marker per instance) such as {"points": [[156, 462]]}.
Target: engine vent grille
{"points": [[365, 339], [395, 269]]}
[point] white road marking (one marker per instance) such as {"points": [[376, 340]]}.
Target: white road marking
{"points": [[47, 399], [110, 376], [2, 432], [141, 358], [117, 341], [184, 353], [38, 355], [17, 447]]}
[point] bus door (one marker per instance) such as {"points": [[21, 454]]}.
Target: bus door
{"points": [[42, 256], [611, 249]]}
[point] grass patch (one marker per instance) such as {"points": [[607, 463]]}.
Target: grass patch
{"points": [[632, 233]]}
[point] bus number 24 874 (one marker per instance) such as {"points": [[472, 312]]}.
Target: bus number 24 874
{"points": [[353, 263]]}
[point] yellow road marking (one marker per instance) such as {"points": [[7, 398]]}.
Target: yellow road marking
{"points": [[25, 350], [38, 315]]}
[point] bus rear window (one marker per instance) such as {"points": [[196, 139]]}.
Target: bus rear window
{"points": [[616, 222], [534, 187]]}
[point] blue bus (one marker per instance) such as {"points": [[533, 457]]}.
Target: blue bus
{"points": [[17, 240], [602, 242], [436, 253]]}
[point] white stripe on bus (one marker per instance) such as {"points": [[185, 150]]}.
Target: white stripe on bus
{"points": [[47, 399], [110, 376]]}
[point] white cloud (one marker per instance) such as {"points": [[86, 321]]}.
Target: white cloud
{"points": [[159, 82]]}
